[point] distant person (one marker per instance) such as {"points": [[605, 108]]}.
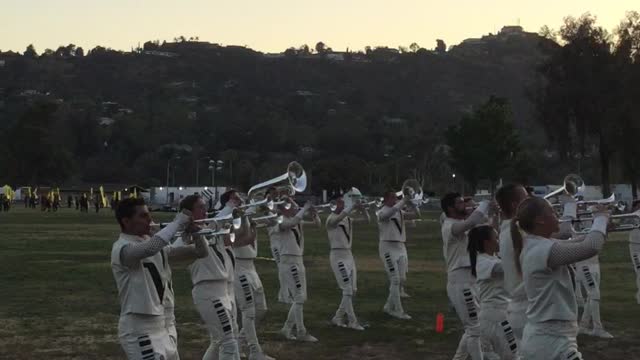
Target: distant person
{"points": [[27, 200], [97, 205], [77, 202], [69, 201]]}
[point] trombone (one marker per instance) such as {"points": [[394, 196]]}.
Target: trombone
{"points": [[619, 222], [293, 181]]}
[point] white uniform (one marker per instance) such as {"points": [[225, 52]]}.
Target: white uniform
{"points": [[344, 267], [517, 308], [461, 287], [393, 253], [142, 327], [274, 241], [634, 251], [250, 295], [551, 330], [494, 299], [212, 297], [293, 272], [588, 275]]}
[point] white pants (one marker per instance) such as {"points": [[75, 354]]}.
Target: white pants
{"points": [[497, 333], [283, 293], [211, 299], [145, 337], [294, 274], [394, 257], [552, 340], [251, 301], [170, 325], [634, 250], [588, 274], [517, 317], [461, 291], [344, 269]]}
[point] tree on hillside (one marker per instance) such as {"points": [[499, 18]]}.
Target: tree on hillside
{"points": [[483, 143], [30, 52], [579, 99]]}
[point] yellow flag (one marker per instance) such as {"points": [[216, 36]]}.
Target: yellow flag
{"points": [[91, 194], [29, 191], [102, 197], [58, 192], [135, 193]]}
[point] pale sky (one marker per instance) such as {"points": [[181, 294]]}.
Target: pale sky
{"points": [[274, 25]]}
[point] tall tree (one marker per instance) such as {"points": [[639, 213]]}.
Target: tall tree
{"points": [[484, 142], [578, 98]]}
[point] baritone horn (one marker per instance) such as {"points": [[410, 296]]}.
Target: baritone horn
{"points": [[572, 185], [412, 191], [277, 189]]}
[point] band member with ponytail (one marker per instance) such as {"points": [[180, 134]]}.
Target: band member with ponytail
{"points": [[461, 287], [211, 276], [495, 329], [509, 197], [634, 250], [340, 234], [249, 291], [551, 329], [292, 268], [392, 230]]}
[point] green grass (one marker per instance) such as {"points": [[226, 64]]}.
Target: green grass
{"points": [[58, 299]]}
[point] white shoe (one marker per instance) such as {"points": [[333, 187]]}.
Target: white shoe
{"points": [[403, 294], [399, 315], [306, 338], [355, 326], [338, 322], [287, 333], [601, 333]]}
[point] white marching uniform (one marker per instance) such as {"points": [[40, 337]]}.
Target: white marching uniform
{"points": [[551, 329], [274, 242], [517, 307], [461, 287], [249, 295], [495, 329], [292, 271], [634, 251], [211, 277], [142, 327], [340, 236], [393, 253], [588, 275]]}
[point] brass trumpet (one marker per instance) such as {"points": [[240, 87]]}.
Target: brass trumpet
{"points": [[572, 185]]}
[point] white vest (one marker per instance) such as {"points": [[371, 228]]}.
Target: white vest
{"points": [[141, 288], [491, 290], [549, 290], [213, 266], [454, 247], [341, 235], [392, 229], [512, 279], [292, 241]]}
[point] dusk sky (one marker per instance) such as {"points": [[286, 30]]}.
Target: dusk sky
{"points": [[274, 25]]}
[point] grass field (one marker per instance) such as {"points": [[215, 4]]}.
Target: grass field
{"points": [[58, 299]]}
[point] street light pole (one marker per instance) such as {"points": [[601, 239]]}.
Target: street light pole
{"points": [[168, 173]]}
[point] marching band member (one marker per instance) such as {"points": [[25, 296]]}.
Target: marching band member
{"points": [[588, 274], [392, 250], [140, 266], [292, 267], [509, 197], [340, 234], [461, 288], [274, 243], [551, 329], [211, 295], [634, 250], [495, 329], [248, 286]]}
